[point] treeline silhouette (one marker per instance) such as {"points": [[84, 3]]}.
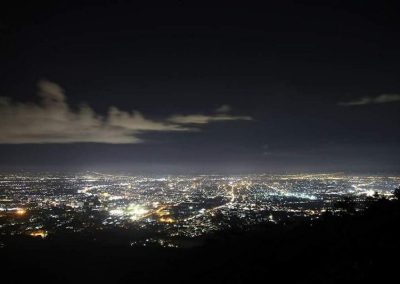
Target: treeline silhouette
{"points": [[346, 245]]}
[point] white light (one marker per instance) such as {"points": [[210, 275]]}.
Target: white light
{"points": [[136, 211], [116, 212], [370, 192]]}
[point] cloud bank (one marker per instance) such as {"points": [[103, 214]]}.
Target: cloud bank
{"points": [[204, 119], [381, 99], [53, 121]]}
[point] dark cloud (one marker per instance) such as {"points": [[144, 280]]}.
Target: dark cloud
{"points": [[381, 99], [53, 121]]}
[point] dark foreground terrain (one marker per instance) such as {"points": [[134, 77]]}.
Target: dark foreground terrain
{"points": [[350, 247]]}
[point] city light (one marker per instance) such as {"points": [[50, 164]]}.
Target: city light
{"points": [[136, 211], [175, 206], [20, 211], [39, 233]]}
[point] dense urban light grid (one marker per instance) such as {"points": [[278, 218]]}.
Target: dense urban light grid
{"points": [[172, 207]]}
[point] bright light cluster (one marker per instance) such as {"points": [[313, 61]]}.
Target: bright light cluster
{"points": [[133, 212], [173, 206]]}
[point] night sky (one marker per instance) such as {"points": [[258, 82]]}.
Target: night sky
{"points": [[185, 86]]}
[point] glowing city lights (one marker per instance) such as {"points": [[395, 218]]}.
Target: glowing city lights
{"points": [[173, 206], [20, 212], [39, 233]]}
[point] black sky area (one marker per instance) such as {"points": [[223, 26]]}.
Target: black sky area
{"points": [[320, 80]]}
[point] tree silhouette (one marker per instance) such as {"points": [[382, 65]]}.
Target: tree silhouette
{"points": [[396, 193], [347, 204]]}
